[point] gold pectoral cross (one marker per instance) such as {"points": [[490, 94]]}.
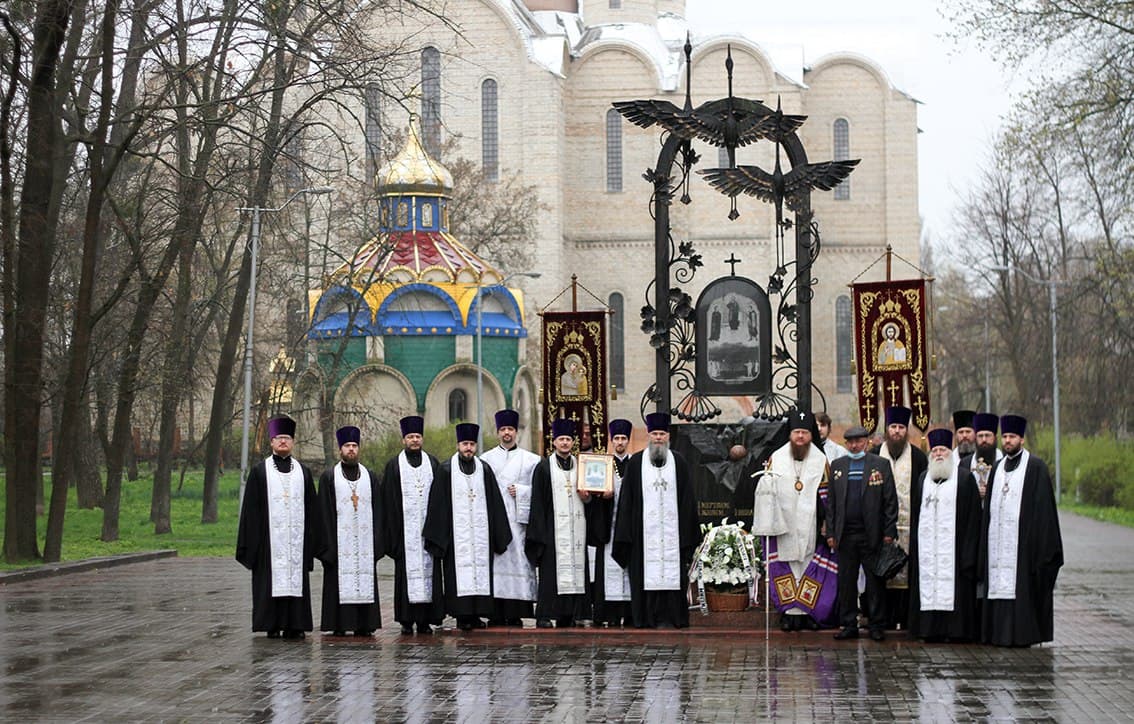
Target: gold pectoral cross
{"points": [[354, 499]]}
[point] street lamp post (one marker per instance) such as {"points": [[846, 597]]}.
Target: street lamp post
{"points": [[480, 354], [256, 212], [1051, 284]]}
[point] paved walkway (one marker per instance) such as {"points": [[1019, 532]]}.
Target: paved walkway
{"points": [[170, 640]]}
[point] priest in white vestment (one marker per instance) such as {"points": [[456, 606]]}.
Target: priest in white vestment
{"points": [[466, 528], [406, 483], [657, 530], [944, 536], [796, 472], [353, 542], [513, 576], [1021, 548], [279, 535]]}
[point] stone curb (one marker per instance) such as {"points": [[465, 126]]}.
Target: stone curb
{"points": [[58, 569]]}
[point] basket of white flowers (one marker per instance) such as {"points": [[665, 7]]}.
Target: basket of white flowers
{"points": [[726, 567]]}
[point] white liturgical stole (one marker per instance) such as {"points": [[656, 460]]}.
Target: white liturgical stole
{"points": [[513, 576], [415, 502], [661, 565], [472, 555], [1004, 498], [936, 544], [570, 530], [285, 528], [796, 483], [903, 480], [616, 581], [354, 522]]}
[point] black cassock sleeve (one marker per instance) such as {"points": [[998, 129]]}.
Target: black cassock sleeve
{"points": [[376, 508], [315, 534], [329, 551], [540, 529], [629, 512], [253, 516], [438, 530]]}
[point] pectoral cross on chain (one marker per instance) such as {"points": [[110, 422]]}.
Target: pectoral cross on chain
{"points": [[472, 494], [660, 484], [354, 499]]}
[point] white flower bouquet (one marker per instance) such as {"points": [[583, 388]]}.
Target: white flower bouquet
{"points": [[727, 561]]}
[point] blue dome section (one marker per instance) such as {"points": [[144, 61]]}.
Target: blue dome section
{"points": [[392, 321], [333, 315], [497, 324]]}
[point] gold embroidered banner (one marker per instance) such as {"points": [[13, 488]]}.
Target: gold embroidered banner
{"points": [[890, 349], [574, 374]]}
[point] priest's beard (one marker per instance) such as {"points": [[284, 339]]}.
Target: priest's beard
{"points": [[986, 453], [966, 448], [940, 469], [658, 453], [896, 448], [465, 461], [799, 452]]}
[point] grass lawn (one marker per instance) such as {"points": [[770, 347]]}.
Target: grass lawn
{"points": [[1121, 516], [83, 528]]}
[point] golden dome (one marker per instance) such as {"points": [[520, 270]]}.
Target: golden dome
{"points": [[413, 171]]}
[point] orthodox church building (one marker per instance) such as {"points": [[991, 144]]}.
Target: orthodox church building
{"points": [[526, 88]]}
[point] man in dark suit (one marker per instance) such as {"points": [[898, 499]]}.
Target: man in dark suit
{"points": [[862, 514]]}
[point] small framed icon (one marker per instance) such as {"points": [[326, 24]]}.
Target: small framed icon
{"points": [[596, 473]]}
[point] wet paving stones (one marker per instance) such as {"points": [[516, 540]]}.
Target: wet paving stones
{"points": [[170, 640]]}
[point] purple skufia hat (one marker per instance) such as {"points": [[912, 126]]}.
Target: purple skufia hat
{"points": [[283, 425], [467, 431], [986, 422], [940, 437], [898, 415], [412, 424], [349, 433], [621, 427], [656, 421], [963, 418], [562, 427], [507, 418], [1013, 425]]}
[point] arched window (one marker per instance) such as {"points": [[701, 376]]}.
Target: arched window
{"points": [[489, 131], [617, 340], [427, 216], [431, 101], [613, 150], [403, 215], [844, 375], [373, 130], [841, 130], [458, 405]]}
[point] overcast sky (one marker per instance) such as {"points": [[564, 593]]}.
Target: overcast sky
{"points": [[962, 91]]}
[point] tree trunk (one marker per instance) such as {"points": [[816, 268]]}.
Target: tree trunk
{"points": [[24, 375], [86, 472]]}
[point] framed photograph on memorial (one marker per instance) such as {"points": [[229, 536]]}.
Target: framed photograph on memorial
{"points": [[596, 473]]}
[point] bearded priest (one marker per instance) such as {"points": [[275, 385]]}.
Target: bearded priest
{"points": [[945, 516], [656, 530]]}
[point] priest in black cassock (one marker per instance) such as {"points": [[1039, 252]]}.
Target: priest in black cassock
{"points": [[465, 529], [985, 454], [352, 521], [406, 483], [560, 527], [944, 539], [610, 587], [1021, 549], [657, 530], [280, 533]]}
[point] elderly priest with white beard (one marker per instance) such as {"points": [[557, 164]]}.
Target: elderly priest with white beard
{"points": [[656, 530], [945, 516]]}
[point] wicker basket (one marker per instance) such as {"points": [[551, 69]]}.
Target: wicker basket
{"points": [[726, 601]]}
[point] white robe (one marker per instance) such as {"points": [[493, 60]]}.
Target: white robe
{"points": [[354, 536], [472, 552], [513, 576], [799, 507], [937, 544], [285, 528], [1004, 501], [570, 530], [661, 566], [416, 483]]}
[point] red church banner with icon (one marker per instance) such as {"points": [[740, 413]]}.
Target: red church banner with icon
{"points": [[890, 349], [574, 374]]}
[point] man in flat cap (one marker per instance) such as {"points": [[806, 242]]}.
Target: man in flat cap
{"points": [[406, 483], [513, 577], [908, 463], [280, 533], [1021, 548], [862, 514], [944, 536], [466, 528], [354, 541], [656, 531]]}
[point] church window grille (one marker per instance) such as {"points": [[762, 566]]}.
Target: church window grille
{"points": [[427, 215], [617, 340], [613, 151], [431, 101], [841, 132], [490, 131], [403, 215]]}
